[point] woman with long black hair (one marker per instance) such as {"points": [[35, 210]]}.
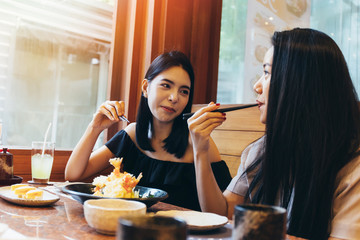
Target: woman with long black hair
{"points": [[158, 144], [308, 160]]}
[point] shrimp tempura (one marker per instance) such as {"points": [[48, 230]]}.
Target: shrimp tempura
{"points": [[117, 184]]}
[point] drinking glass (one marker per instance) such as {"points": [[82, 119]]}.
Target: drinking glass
{"points": [[256, 221], [42, 161]]}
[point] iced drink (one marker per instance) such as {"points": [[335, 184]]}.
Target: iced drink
{"points": [[41, 163], [41, 167]]}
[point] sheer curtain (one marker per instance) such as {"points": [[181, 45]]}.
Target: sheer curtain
{"points": [[53, 68]]}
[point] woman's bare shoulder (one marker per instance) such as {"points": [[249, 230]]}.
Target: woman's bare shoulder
{"points": [[131, 130]]}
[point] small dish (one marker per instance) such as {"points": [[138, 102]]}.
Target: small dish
{"points": [[47, 199], [103, 214], [197, 221], [83, 192], [10, 181]]}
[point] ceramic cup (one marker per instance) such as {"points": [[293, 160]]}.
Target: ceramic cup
{"points": [[151, 228], [255, 221]]}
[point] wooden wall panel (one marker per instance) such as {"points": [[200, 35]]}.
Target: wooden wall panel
{"points": [[205, 46], [121, 59], [158, 30], [244, 119], [232, 162], [22, 164], [141, 56], [178, 26], [234, 142]]}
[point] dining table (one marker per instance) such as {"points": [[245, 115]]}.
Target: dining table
{"points": [[65, 219]]}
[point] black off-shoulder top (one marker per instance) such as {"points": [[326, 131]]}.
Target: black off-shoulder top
{"points": [[176, 178]]}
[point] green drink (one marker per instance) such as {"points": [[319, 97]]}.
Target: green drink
{"points": [[41, 167], [42, 161]]}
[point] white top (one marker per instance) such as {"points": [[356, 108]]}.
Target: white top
{"points": [[346, 207]]}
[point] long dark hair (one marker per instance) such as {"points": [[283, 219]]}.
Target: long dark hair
{"points": [[312, 130], [177, 142]]}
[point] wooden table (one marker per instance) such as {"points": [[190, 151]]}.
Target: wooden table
{"points": [[65, 220]]}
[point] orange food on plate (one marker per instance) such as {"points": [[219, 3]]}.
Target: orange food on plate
{"points": [[117, 184], [21, 191], [34, 194], [15, 186], [27, 192]]}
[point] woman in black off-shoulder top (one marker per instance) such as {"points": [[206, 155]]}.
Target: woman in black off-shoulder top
{"points": [[158, 144]]}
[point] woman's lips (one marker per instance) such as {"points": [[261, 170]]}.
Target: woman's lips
{"points": [[259, 103], [168, 109]]}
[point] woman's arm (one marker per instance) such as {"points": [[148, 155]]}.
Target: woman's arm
{"points": [[83, 162], [210, 196], [211, 199]]}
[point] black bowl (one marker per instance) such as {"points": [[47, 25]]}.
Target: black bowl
{"points": [[84, 191]]}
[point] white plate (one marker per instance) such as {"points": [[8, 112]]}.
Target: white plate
{"points": [[8, 195], [197, 221]]}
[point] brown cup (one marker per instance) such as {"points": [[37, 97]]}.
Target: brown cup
{"points": [[256, 221], [151, 228]]}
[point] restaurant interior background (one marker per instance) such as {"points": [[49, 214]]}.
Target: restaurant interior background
{"points": [[54, 57]]}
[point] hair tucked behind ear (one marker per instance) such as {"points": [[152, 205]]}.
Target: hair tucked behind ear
{"points": [[312, 130], [177, 142]]}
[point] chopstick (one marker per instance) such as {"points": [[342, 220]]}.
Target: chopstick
{"points": [[124, 119], [228, 109]]}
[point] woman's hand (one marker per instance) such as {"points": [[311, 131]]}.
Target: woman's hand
{"points": [[202, 123], [108, 113]]}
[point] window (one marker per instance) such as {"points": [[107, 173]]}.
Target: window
{"points": [[246, 28], [54, 60]]}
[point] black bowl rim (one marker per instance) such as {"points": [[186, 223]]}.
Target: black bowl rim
{"points": [[151, 199]]}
